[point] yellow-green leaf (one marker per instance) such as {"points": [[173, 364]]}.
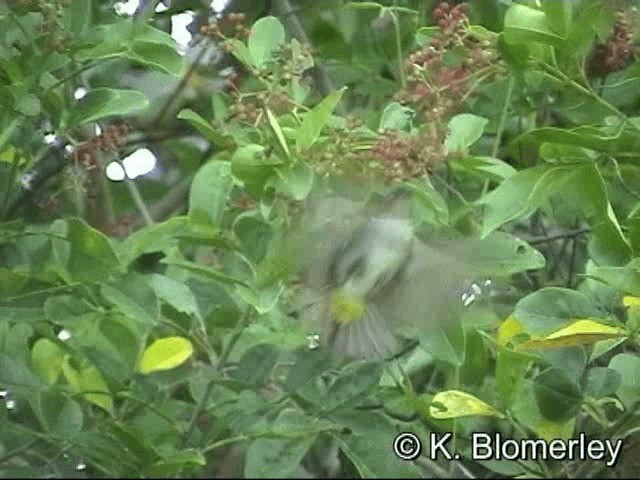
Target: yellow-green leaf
{"points": [[165, 354], [582, 332], [91, 380], [549, 430], [631, 302], [456, 404], [275, 126], [46, 359], [509, 329], [71, 375]]}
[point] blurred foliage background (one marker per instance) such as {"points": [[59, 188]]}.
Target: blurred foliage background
{"points": [[153, 155]]}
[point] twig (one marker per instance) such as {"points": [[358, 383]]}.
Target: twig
{"points": [[567, 234], [396, 29], [572, 261], [282, 8], [503, 117], [137, 198], [183, 82], [450, 189]]}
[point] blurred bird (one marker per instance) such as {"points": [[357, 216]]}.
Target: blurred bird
{"points": [[369, 280]]}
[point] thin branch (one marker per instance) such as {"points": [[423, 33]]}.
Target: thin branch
{"points": [[183, 82], [283, 8], [137, 198], [503, 117], [559, 236]]}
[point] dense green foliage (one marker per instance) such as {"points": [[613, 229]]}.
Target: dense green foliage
{"points": [[147, 326]]}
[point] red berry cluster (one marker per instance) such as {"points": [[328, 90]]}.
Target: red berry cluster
{"points": [[407, 157], [113, 139], [121, 227], [616, 52], [437, 89], [54, 38], [450, 20], [229, 26]]}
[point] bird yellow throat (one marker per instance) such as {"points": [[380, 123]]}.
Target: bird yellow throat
{"points": [[346, 307]]}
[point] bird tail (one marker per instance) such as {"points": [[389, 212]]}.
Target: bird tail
{"points": [[368, 338]]}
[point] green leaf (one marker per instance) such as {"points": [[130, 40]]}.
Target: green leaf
{"points": [[78, 16], [316, 119], [446, 345], [46, 360], [205, 128], [175, 293], [207, 272], [16, 375], [264, 299], [105, 102], [250, 165], [163, 237], [133, 296], [366, 443], [307, 365], [602, 382], [175, 463], [558, 396], [295, 181], [352, 385], [521, 194], [511, 368], [528, 414], [135, 41], [628, 366], [165, 354], [464, 130], [624, 279], [484, 167], [268, 455], [256, 365], [424, 35], [160, 56], [91, 257], [550, 309], [210, 190], [503, 254], [57, 414], [524, 25], [396, 116], [275, 126], [28, 105], [584, 136], [239, 50], [427, 204], [65, 309], [266, 38], [587, 190], [559, 15]]}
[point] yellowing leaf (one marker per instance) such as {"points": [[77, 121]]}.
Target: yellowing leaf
{"points": [[582, 332], [165, 354], [91, 380], [549, 430], [456, 404], [46, 359], [631, 302], [509, 329], [71, 375]]}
